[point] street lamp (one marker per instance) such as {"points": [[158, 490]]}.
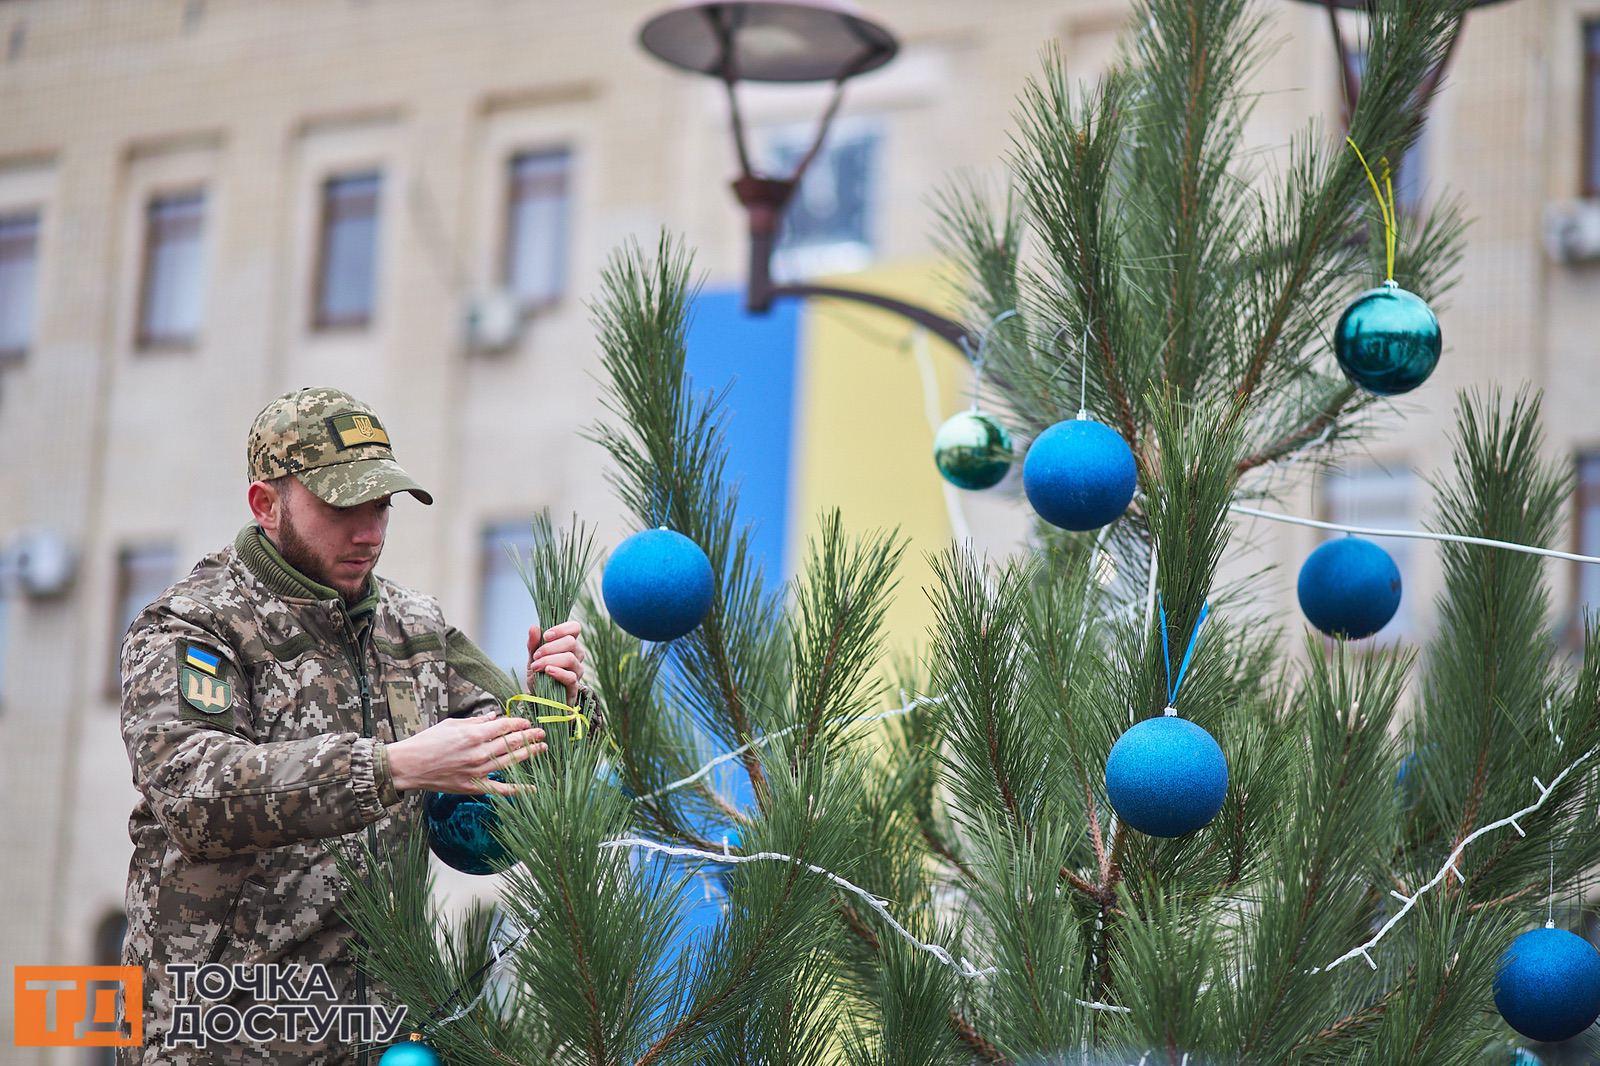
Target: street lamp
{"points": [[794, 42], [1349, 68]]}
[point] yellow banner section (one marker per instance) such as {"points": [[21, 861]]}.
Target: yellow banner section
{"points": [[863, 439]]}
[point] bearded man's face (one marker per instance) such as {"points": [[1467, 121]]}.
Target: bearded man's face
{"points": [[336, 546]]}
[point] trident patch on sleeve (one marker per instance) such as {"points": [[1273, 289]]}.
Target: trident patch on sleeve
{"points": [[200, 680]]}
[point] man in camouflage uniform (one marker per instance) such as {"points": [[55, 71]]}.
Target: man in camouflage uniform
{"points": [[283, 694]]}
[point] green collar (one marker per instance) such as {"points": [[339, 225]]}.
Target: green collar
{"points": [[263, 559]]}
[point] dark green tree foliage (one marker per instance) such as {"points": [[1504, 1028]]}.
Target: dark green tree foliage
{"points": [[1193, 287]]}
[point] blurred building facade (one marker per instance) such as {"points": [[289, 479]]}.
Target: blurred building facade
{"points": [[204, 204]]}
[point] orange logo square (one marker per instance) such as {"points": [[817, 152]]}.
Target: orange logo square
{"points": [[78, 1006]]}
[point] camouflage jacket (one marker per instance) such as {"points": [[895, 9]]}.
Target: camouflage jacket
{"points": [[255, 710]]}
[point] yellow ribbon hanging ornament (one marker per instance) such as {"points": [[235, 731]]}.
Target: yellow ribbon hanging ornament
{"points": [[1388, 340], [574, 715]]}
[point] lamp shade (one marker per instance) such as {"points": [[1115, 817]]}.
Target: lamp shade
{"points": [[769, 40], [1365, 5]]}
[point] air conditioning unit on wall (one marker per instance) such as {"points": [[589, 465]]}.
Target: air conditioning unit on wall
{"points": [[1572, 231], [494, 321], [39, 562]]}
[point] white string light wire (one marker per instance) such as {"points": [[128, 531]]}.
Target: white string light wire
{"points": [[1450, 867], [729, 756], [1413, 534], [962, 966]]}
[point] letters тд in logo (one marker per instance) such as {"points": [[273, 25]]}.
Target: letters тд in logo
{"points": [[78, 1006]]}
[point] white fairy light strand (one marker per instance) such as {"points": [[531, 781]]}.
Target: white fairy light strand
{"points": [[1407, 902], [1412, 534], [729, 756], [962, 966]]}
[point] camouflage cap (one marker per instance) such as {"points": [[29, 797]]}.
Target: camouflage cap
{"points": [[333, 443]]}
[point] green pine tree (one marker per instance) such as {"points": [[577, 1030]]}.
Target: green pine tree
{"points": [[1203, 284]]}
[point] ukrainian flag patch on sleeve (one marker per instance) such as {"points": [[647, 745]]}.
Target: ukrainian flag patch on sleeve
{"points": [[201, 659], [200, 680]]}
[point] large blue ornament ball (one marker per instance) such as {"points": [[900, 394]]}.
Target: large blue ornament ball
{"points": [[1166, 777], [1349, 588], [461, 831], [1388, 340], [657, 585], [1079, 474], [410, 1053], [1548, 984], [972, 450]]}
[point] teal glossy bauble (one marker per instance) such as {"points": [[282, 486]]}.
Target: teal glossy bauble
{"points": [[410, 1053], [461, 831], [1388, 340], [973, 450]]}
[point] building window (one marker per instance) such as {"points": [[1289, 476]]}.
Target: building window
{"points": [[829, 225], [505, 610], [5, 617], [347, 252], [537, 227], [171, 286], [1586, 508], [1410, 174], [19, 271], [1591, 108], [143, 574], [1379, 497]]}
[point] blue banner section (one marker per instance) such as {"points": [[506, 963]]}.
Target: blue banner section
{"points": [[753, 357], [750, 361]]}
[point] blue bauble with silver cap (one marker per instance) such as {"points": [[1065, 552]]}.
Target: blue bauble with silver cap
{"points": [[1547, 986], [1388, 340], [1349, 588], [413, 1052], [658, 585], [1166, 777], [1079, 474]]}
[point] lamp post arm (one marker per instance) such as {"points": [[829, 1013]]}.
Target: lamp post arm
{"points": [[934, 323]]}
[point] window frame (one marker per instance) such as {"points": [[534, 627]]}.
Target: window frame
{"points": [[486, 527], [120, 587], [143, 340], [508, 230], [1582, 492], [1588, 175], [320, 321], [35, 214]]}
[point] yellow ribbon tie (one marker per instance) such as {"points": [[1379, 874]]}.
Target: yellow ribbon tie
{"points": [[574, 715], [1386, 205]]}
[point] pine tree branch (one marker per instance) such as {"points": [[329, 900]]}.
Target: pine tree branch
{"points": [[738, 972], [1293, 441], [734, 702], [974, 1041]]}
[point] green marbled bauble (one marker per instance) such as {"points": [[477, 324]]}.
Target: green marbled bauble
{"points": [[1388, 340], [461, 831], [972, 450]]}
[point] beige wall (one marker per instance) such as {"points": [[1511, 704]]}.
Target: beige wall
{"points": [[104, 101]]}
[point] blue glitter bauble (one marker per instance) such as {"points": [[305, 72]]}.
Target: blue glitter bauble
{"points": [[1548, 984], [1349, 588], [657, 585], [1523, 1057], [410, 1053], [1166, 776], [972, 450], [1079, 475], [1388, 340], [461, 831]]}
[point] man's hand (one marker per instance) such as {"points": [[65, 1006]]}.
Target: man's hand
{"points": [[560, 656], [458, 754]]}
